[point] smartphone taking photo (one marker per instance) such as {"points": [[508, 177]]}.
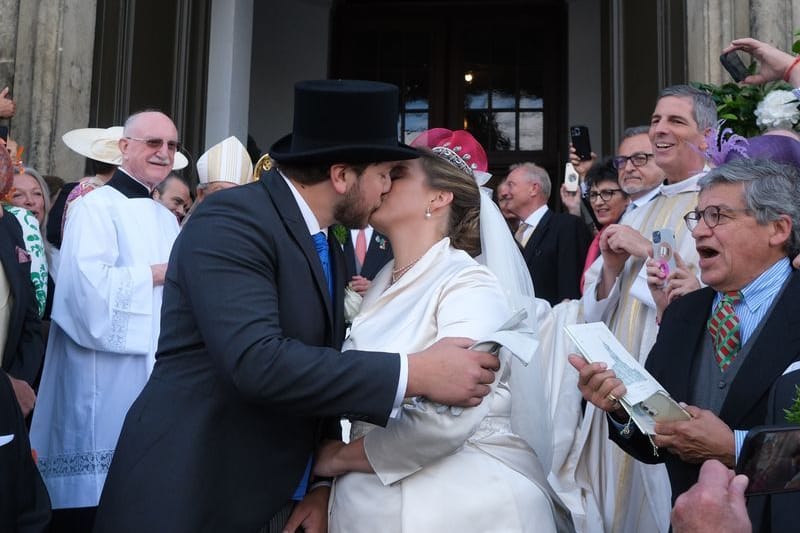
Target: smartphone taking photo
{"points": [[664, 251], [734, 65], [570, 178], [579, 135], [770, 458]]}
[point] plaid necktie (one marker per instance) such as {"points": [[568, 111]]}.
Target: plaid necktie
{"points": [[724, 328]]}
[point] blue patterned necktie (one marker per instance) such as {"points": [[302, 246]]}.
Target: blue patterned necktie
{"points": [[321, 243]]}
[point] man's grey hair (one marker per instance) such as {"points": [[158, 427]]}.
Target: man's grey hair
{"points": [[534, 172], [633, 131], [770, 190], [704, 110]]}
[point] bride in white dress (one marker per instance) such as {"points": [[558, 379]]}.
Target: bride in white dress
{"points": [[434, 468]]}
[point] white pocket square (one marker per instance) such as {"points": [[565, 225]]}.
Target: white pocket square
{"points": [[5, 439]]}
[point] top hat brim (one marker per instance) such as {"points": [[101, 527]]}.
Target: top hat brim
{"points": [[282, 152]]}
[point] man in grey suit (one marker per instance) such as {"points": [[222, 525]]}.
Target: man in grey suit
{"points": [[248, 376]]}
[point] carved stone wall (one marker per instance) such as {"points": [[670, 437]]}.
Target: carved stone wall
{"points": [[46, 49]]}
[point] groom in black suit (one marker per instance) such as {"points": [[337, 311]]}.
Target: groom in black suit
{"points": [[248, 376], [746, 226]]}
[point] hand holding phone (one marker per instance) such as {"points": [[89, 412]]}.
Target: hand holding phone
{"points": [[734, 65], [580, 140], [664, 251], [570, 178]]}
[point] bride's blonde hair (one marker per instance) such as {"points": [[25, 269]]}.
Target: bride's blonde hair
{"points": [[463, 227]]}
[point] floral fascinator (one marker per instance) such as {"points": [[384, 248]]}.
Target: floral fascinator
{"points": [[459, 148], [722, 144]]}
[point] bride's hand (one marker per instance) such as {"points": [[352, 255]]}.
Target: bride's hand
{"points": [[335, 458]]}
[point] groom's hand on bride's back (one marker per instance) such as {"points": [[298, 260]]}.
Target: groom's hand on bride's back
{"points": [[448, 372]]}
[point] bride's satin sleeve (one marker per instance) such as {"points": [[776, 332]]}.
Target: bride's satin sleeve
{"points": [[471, 305]]}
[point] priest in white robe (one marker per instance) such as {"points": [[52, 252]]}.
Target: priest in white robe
{"points": [[105, 319]]}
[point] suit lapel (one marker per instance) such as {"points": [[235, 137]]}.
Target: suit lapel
{"points": [[771, 353], [288, 210], [538, 234], [674, 369]]}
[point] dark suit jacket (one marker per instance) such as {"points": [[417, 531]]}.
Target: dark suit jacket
{"points": [[24, 349], [672, 359], [220, 436], [379, 252], [24, 503], [555, 255]]}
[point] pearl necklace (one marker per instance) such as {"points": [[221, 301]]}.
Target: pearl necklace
{"points": [[398, 272]]}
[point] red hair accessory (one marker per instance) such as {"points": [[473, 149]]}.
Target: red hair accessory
{"points": [[459, 148]]}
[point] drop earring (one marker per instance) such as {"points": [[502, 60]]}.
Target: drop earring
{"points": [[428, 212]]}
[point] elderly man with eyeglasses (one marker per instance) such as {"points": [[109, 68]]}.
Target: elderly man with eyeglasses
{"points": [[616, 291], [722, 349], [105, 320]]}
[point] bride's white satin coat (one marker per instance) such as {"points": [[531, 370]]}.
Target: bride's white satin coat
{"points": [[435, 471]]}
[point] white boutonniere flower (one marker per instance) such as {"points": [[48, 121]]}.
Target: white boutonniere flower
{"points": [[352, 304]]}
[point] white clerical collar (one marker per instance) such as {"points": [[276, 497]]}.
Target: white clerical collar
{"points": [[140, 182], [687, 185], [646, 197], [536, 217], [308, 215]]}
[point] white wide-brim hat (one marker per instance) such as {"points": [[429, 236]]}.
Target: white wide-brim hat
{"points": [[102, 144]]}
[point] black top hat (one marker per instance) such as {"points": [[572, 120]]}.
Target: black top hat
{"points": [[343, 121]]}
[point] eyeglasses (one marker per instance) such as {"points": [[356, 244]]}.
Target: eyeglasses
{"points": [[605, 195], [156, 144], [711, 215], [638, 159]]}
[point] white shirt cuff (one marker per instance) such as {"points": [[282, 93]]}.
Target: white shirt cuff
{"points": [[402, 385], [738, 441]]}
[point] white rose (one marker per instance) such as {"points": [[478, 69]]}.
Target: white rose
{"points": [[778, 110], [352, 303]]}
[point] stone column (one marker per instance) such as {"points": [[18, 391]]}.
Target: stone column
{"points": [[771, 21], [711, 26], [8, 42], [53, 80]]}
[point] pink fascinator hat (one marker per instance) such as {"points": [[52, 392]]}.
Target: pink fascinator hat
{"points": [[459, 148]]}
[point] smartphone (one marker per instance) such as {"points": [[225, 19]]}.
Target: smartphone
{"points": [[570, 178], [734, 65], [580, 140], [4, 133], [664, 251], [770, 457]]}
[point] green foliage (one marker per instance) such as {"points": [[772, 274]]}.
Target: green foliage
{"points": [[736, 104], [340, 232], [793, 412], [796, 44]]}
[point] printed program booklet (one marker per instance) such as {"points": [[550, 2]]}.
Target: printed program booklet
{"points": [[646, 400]]}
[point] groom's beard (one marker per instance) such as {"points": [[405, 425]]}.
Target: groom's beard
{"points": [[352, 211]]}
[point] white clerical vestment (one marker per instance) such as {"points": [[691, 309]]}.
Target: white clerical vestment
{"points": [[633, 496], [105, 325]]}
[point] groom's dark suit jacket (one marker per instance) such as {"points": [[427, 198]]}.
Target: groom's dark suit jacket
{"points": [[24, 349], [222, 432], [672, 361]]}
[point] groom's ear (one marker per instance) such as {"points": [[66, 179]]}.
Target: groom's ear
{"points": [[338, 176]]}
